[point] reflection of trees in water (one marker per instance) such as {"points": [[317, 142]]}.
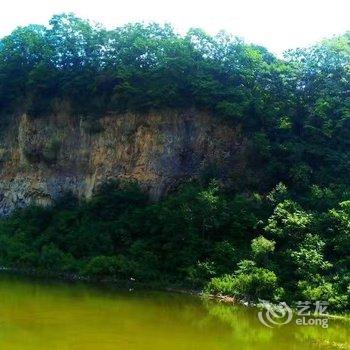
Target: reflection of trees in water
{"points": [[336, 336], [249, 333], [241, 322]]}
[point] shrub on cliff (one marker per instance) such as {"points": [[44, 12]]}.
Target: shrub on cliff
{"points": [[248, 282]]}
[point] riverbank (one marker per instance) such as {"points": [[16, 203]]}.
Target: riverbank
{"points": [[129, 284]]}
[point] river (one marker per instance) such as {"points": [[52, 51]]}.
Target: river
{"points": [[42, 315]]}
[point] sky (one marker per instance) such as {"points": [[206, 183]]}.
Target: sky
{"points": [[275, 24]]}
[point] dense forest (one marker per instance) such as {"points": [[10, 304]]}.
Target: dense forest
{"points": [[281, 233]]}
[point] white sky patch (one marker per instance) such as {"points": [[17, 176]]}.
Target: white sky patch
{"points": [[275, 24]]}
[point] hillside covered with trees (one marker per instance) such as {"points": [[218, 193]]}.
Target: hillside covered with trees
{"points": [[281, 233]]}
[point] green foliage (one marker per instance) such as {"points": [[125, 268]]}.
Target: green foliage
{"points": [[248, 282], [135, 67], [262, 246], [309, 259], [271, 247], [221, 285], [200, 273], [103, 266], [288, 221], [225, 257]]}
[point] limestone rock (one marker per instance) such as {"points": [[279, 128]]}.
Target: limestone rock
{"points": [[42, 158]]}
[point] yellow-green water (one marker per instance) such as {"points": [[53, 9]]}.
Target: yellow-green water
{"points": [[45, 315]]}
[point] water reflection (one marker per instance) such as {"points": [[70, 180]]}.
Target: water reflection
{"points": [[49, 315], [250, 333]]}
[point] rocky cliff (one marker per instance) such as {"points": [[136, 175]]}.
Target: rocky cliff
{"points": [[42, 158]]}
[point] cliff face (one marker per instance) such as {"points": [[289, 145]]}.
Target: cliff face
{"points": [[42, 158]]}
